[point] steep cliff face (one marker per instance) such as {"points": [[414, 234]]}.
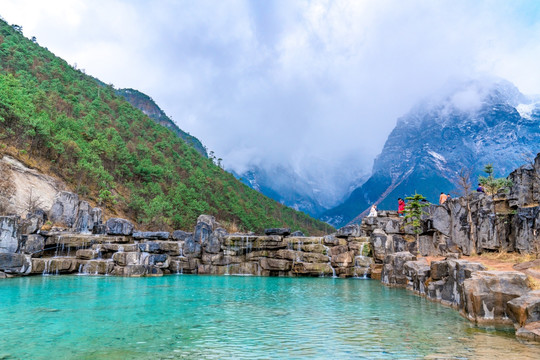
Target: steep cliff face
{"points": [[477, 123], [145, 103]]}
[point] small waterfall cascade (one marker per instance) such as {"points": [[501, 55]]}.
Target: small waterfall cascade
{"points": [[329, 254], [299, 256], [362, 263], [181, 257], [227, 258], [47, 267]]}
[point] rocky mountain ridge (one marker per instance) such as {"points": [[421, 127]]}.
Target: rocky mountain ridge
{"points": [[76, 129], [148, 106], [475, 124]]}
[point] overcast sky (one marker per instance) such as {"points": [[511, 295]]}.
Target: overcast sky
{"points": [[311, 84]]}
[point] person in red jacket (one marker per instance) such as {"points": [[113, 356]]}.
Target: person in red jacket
{"points": [[401, 207]]}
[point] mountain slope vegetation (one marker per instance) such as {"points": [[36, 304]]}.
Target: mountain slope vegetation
{"points": [[114, 155], [147, 105]]}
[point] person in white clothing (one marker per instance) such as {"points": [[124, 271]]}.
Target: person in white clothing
{"points": [[373, 211]]}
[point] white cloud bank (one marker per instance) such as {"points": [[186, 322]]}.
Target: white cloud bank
{"points": [[305, 84]]}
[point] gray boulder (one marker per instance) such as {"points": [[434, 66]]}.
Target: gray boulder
{"points": [[192, 248], [526, 224], [151, 235], [212, 243], [117, 226], [96, 221], [208, 220], [297, 234], [525, 309], [441, 219], [65, 208], [278, 231], [487, 293], [378, 243], [349, 230], [9, 234], [32, 244], [33, 222], [417, 272], [88, 219], [15, 263], [180, 235], [83, 218], [393, 272]]}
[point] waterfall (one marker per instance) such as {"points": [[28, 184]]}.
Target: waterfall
{"points": [[357, 266], [179, 264], [47, 266], [328, 253], [227, 257], [299, 251]]}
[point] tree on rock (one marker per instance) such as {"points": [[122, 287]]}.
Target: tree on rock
{"points": [[490, 183], [414, 211]]}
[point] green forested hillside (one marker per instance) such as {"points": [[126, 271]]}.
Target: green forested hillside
{"points": [[145, 103], [113, 154]]}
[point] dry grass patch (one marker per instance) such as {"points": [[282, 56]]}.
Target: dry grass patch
{"points": [[508, 257], [533, 283]]}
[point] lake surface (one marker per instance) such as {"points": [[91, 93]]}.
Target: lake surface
{"points": [[230, 317]]}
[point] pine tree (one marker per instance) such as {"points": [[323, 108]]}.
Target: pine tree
{"points": [[414, 211], [492, 184]]}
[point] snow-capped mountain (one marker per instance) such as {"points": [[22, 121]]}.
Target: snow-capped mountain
{"points": [[473, 124]]}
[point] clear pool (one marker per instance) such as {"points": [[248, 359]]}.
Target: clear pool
{"points": [[230, 317]]}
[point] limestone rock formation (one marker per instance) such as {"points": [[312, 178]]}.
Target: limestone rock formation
{"points": [[487, 293], [151, 235], [9, 234], [277, 231], [525, 309], [117, 226], [65, 208]]}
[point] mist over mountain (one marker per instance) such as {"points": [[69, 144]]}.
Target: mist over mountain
{"points": [[309, 188], [469, 125]]}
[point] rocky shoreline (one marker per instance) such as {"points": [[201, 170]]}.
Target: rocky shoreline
{"points": [[86, 245], [473, 224], [383, 247]]}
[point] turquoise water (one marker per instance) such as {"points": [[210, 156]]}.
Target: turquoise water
{"points": [[230, 317]]}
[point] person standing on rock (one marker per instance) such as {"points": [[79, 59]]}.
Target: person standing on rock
{"points": [[442, 198], [373, 211], [401, 207], [480, 188]]}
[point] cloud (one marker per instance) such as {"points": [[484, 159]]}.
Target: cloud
{"points": [[299, 83]]}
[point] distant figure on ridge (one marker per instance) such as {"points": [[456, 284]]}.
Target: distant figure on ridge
{"points": [[442, 198], [480, 188], [401, 207], [373, 211]]}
